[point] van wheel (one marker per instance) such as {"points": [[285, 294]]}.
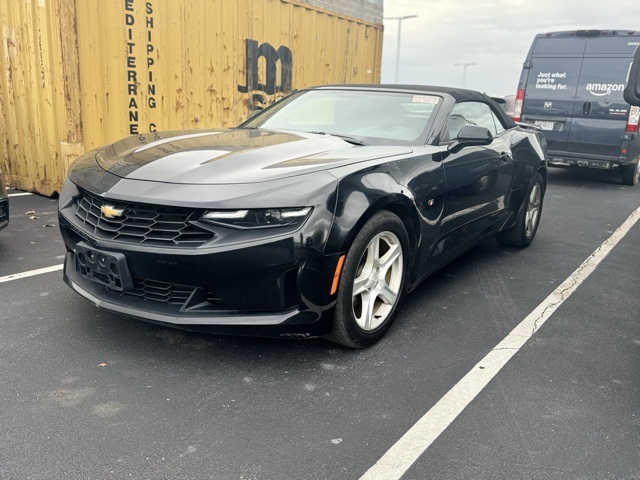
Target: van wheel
{"points": [[630, 173], [372, 282]]}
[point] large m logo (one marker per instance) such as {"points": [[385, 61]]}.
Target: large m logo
{"points": [[253, 52]]}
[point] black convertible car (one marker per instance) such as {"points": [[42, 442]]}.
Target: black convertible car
{"points": [[312, 218]]}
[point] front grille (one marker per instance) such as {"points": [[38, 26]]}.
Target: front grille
{"points": [[141, 223], [159, 291], [4, 211], [186, 298]]}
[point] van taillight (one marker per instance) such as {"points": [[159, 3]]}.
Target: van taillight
{"points": [[634, 117], [517, 108]]}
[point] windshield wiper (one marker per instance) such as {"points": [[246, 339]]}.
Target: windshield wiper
{"points": [[346, 138]]}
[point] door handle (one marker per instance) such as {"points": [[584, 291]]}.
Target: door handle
{"points": [[586, 108]]}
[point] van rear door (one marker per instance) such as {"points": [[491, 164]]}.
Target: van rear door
{"points": [[600, 112], [553, 73]]}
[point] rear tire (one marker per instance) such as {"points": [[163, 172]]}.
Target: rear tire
{"points": [[522, 233], [372, 282], [630, 174]]}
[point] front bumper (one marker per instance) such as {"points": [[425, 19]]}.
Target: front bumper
{"points": [[278, 286], [4, 212], [292, 323]]}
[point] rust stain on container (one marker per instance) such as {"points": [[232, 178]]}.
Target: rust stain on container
{"points": [[76, 75]]}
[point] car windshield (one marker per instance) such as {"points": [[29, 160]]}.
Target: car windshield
{"points": [[360, 117]]}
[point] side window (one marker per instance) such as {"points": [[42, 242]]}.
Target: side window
{"points": [[474, 113], [499, 127]]}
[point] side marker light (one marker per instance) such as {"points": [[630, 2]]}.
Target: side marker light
{"points": [[336, 275]]}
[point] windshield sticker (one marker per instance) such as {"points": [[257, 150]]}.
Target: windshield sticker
{"points": [[431, 99], [551, 81]]}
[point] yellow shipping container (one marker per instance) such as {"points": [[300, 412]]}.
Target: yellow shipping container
{"points": [[78, 74]]}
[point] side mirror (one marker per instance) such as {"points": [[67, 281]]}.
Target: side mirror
{"points": [[631, 92], [471, 136]]}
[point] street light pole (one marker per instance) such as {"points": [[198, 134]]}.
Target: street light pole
{"points": [[464, 70], [400, 19]]}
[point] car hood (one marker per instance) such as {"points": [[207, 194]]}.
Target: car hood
{"points": [[232, 156]]}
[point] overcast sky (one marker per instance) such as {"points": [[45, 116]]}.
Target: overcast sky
{"points": [[493, 34]]}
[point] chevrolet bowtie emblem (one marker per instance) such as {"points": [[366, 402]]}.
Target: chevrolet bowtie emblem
{"points": [[110, 211]]}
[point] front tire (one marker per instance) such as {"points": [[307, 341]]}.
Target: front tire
{"points": [[522, 233], [372, 282]]}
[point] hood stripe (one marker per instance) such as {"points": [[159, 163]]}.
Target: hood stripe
{"points": [[173, 139]]}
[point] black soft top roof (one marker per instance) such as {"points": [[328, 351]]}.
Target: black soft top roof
{"points": [[458, 94]]}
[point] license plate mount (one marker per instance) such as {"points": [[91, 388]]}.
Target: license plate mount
{"points": [[548, 126], [109, 269]]}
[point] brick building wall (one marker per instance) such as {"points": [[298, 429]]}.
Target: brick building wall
{"points": [[367, 10]]}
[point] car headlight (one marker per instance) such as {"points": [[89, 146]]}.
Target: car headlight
{"points": [[258, 218], [68, 193]]}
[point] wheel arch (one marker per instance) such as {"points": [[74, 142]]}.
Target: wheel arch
{"points": [[545, 175], [517, 197], [397, 205], [355, 208], [529, 152]]}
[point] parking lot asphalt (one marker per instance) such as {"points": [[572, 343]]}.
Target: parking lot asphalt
{"points": [[89, 395]]}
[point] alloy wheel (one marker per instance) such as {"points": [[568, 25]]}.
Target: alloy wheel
{"points": [[533, 210], [378, 281]]}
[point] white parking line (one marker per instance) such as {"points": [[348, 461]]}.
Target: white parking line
{"points": [[30, 273], [399, 458], [20, 194]]}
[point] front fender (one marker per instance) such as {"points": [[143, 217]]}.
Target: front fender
{"points": [[359, 197]]}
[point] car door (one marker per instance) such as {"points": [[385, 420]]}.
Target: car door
{"points": [[600, 113], [551, 84], [477, 181]]}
